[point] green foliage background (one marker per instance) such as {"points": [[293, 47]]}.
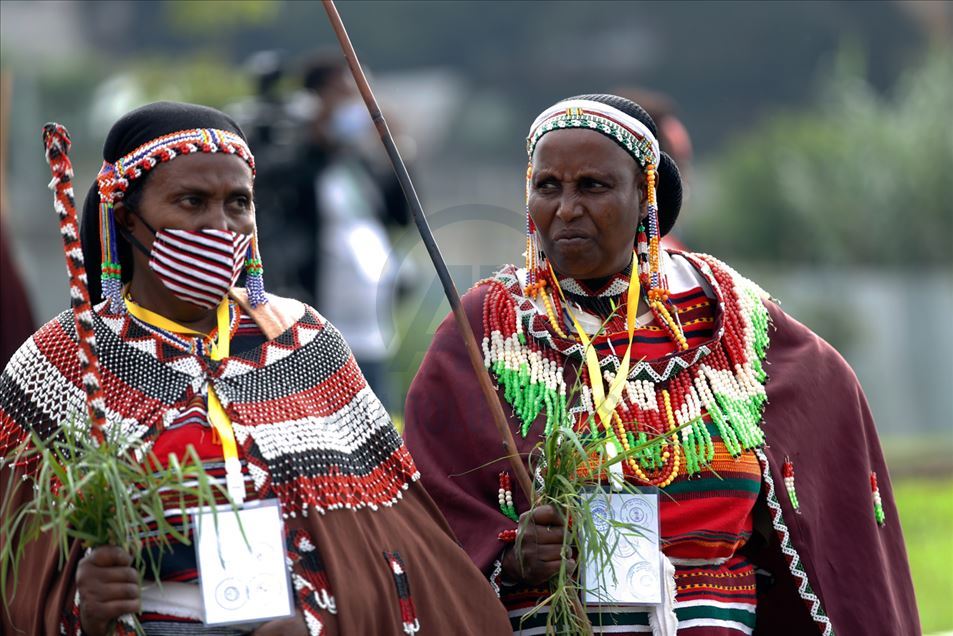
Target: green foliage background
{"points": [[926, 512], [858, 179]]}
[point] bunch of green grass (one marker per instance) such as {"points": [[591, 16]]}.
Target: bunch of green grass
{"points": [[569, 464], [98, 494]]}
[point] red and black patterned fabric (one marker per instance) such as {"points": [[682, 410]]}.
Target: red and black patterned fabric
{"points": [[312, 434]]}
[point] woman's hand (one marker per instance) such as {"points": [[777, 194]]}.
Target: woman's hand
{"points": [[540, 555], [293, 626], [108, 587]]}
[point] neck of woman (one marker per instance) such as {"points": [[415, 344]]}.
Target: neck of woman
{"points": [[600, 296], [149, 292]]}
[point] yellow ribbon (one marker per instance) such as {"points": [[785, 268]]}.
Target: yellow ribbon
{"points": [[605, 404], [217, 416]]}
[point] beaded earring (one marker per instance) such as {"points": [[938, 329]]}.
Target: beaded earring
{"points": [[111, 270], [254, 283], [537, 269]]}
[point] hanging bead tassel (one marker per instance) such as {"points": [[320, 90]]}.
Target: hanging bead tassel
{"points": [[536, 268], [788, 472], [652, 278], [506, 497], [254, 283], [111, 281], [642, 254], [111, 270], [878, 502], [408, 613]]}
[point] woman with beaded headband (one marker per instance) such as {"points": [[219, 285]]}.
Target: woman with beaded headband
{"points": [[263, 382], [696, 344]]}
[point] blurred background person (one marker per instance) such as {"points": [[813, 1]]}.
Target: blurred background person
{"points": [[16, 316], [332, 209]]}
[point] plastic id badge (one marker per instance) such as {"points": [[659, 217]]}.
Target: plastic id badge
{"points": [[633, 575], [243, 578]]}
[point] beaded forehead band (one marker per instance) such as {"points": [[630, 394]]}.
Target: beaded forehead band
{"points": [[628, 131], [114, 179]]}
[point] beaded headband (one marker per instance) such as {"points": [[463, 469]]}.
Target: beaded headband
{"points": [[628, 131], [114, 179]]}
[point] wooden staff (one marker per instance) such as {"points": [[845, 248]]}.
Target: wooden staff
{"points": [[473, 349], [56, 142]]}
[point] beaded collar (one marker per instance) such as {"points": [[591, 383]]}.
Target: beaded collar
{"points": [[312, 431], [539, 326], [528, 350], [602, 296], [611, 286]]}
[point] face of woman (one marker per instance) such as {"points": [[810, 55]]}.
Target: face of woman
{"points": [[192, 192], [195, 192], [586, 198]]}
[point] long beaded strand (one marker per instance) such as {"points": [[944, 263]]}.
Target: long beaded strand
{"points": [[654, 280], [551, 311]]}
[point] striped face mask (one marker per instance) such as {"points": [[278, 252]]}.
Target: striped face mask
{"points": [[198, 266]]}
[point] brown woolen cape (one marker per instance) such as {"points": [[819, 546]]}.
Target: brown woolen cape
{"points": [[817, 415], [449, 593]]}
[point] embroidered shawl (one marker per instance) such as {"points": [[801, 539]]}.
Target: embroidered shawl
{"points": [[828, 557], [315, 437]]}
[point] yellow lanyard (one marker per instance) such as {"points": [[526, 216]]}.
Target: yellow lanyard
{"points": [[219, 347], [604, 404], [217, 416]]}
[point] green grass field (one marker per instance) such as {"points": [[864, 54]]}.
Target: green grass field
{"points": [[926, 513]]}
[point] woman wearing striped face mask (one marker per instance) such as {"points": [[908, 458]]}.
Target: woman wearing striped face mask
{"points": [[263, 388]]}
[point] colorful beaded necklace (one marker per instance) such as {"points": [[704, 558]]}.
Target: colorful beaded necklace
{"points": [[528, 351]]}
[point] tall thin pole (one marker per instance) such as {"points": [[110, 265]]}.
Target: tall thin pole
{"points": [[410, 193]]}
